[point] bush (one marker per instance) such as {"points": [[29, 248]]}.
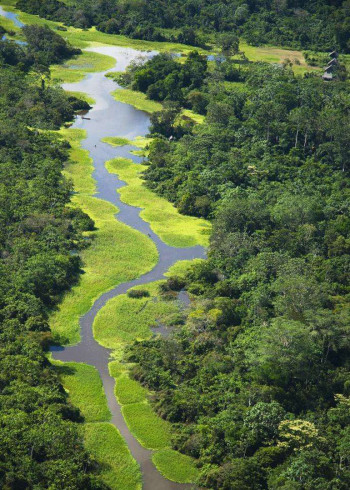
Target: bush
{"points": [[138, 293]]}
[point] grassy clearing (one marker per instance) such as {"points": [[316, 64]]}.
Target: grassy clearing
{"points": [[117, 253], [77, 67], [84, 386], [124, 319], [172, 227], [82, 96], [137, 99], [116, 141], [175, 466], [119, 470]]}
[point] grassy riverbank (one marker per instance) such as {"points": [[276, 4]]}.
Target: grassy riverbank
{"points": [[124, 319], [76, 68], [173, 228], [150, 430], [117, 253], [119, 470]]}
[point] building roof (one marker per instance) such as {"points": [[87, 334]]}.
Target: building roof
{"points": [[327, 76]]}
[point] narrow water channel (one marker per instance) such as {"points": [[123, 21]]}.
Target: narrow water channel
{"points": [[111, 118]]}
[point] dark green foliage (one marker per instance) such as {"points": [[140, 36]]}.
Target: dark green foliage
{"points": [[40, 444], [320, 25], [257, 380], [138, 293], [47, 47]]}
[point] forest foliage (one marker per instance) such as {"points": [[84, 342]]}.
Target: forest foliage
{"points": [[301, 24], [257, 380], [40, 443]]}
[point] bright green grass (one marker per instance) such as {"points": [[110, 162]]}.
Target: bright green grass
{"points": [[173, 228], [124, 319], [150, 430], [82, 96], [175, 466], [137, 99], [117, 253], [119, 469], [197, 118], [128, 390], [116, 141], [85, 390], [77, 67], [181, 267]]}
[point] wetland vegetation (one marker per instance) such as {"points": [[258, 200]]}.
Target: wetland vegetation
{"points": [[247, 386]]}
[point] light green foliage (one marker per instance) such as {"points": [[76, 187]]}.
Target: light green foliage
{"points": [[116, 141], [137, 99], [182, 267], [82, 96], [76, 68], [175, 466], [117, 253], [128, 390], [118, 468], [149, 429], [172, 227], [124, 319], [84, 386]]}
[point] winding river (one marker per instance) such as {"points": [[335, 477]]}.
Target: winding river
{"points": [[111, 118]]}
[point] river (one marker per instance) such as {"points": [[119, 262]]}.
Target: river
{"points": [[109, 117]]}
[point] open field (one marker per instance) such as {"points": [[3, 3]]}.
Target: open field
{"points": [[172, 227], [117, 253]]}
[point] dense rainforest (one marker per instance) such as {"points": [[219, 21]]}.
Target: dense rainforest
{"points": [[301, 24], [257, 379], [40, 445]]}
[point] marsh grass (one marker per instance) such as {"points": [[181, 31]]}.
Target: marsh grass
{"points": [[82, 96], [124, 319], [85, 390], [116, 141], [137, 99], [173, 228], [150, 430], [175, 466], [119, 470], [117, 253], [77, 67]]}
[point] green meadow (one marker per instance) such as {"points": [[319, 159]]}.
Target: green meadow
{"points": [[82, 96], [117, 253], [173, 228]]}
